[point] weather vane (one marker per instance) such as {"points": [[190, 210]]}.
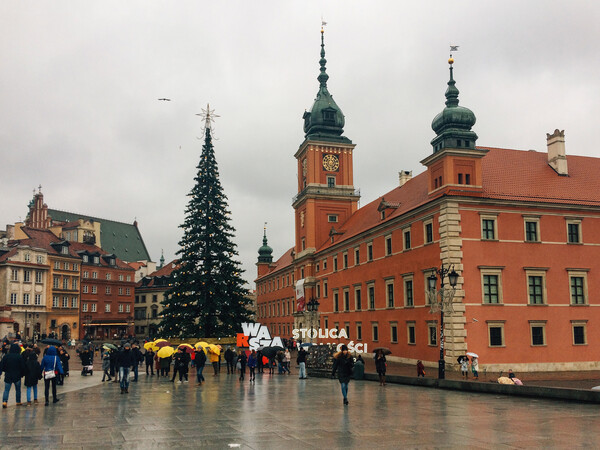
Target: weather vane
{"points": [[323, 23], [208, 116], [453, 48]]}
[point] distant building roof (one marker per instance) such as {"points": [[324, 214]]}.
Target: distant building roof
{"points": [[122, 239]]}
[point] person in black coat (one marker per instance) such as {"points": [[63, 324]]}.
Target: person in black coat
{"points": [[137, 359], [33, 373], [149, 358], [125, 361], [343, 364], [13, 367], [380, 366], [178, 363], [242, 359], [199, 362], [64, 360], [229, 357]]}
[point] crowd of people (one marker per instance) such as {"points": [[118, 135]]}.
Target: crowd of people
{"points": [[21, 364]]}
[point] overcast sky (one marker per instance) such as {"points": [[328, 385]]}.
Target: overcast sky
{"points": [[79, 84]]}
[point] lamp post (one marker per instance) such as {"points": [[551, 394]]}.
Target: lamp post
{"points": [[312, 307], [444, 303]]}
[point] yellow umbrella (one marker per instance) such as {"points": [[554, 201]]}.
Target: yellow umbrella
{"points": [[202, 344], [156, 341], [214, 349], [165, 352], [149, 345]]}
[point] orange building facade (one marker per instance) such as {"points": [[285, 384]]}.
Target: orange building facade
{"points": [[521, 229]]}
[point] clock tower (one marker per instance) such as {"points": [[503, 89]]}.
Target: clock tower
{"points": [[326, 195]]}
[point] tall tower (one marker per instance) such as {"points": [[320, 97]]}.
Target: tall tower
{"points": [[456, 162], [326, 196], [265, 256]]}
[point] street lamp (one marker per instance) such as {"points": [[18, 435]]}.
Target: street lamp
{"points": [[312, 307], [444, 303]]}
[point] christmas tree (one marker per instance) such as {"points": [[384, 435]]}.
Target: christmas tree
{"points": [[207, 297]]}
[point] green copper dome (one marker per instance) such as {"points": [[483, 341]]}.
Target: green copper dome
{"points": [[265, 253], [325, 121], [453, 124]]}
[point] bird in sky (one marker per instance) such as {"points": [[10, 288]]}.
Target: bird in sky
{"points": [[164, 99]]}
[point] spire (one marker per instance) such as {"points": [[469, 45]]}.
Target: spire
{"points": [[453, 125], [323, 77], [265, 253], [325, 121], [162, 259]]}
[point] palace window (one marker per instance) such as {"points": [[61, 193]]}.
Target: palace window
{"points": [[38, 276], [359, 331], [14, 275], [578, 287], [410, 333], [538, 333], [375, 331], [389, 289], [408, 291], [345, 260], [579, 332], [336, 306], [536, 283], [371, 290], [330, 182], [496, 334], [346, 300], [27, 276], [370, 251], [488, 228], [407, 243], [38, 299], [26, 299], [432, 334], [428, 232], [358, 298], [394, 332], [388, 245], [94, 307], [356, 256], [574, 231]]}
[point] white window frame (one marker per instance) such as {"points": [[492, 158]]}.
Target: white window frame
{"points": [[496, 324], [425, 224], [574, 221], [405, 280], [531, 219], [538, 324], [532, 272], [493, 271]]}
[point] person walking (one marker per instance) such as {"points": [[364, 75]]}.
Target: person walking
{"points": [[125, 362], [380, 366], [33, 373], [287, 360], [343, 364], [229, 357], [301, 360], [64, 360], [214, 359], [475, 367], [113, 366], [420, 369], [260, 363], [106, 365], [178, 365], [137, 359], [13, 367], [464, 367], [199, 362], [185, 365], [50, 367], [252, 365], [149, 358], [242, 359]]}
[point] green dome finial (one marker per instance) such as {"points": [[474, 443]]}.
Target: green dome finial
{"points": [[325, 121], [453, 125], [265, 253]]}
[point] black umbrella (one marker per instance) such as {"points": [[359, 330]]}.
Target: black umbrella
{"points": [[51, 341], [270, 352], [385, 350], [460, 358]]}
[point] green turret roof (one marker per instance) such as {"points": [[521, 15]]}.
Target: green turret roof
{"points": [[453, 124], [325, 121], [265, 253]]}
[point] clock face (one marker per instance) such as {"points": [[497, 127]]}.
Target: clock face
{"points": [[331, 163]]}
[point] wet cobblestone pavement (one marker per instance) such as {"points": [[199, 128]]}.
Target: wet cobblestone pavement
{"points": [[282, 411]]}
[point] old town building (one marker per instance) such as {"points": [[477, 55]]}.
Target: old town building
{"points": [[519, 228], [149, 294]]}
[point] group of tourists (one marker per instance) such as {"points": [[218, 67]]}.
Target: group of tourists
{"points": [[21, 364]]}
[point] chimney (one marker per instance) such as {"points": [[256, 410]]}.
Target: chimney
{"points": [[556, 152], [404, 176]]}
